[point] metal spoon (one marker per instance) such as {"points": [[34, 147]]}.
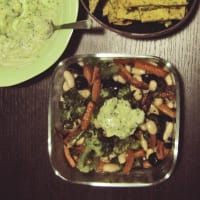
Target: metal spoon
{"points": [[83, 24]]}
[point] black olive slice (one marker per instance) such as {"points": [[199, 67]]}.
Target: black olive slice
{"points": [[81, 83], [153, 159]]}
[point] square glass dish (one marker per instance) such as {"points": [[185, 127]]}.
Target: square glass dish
{"points": [[86, 92]]}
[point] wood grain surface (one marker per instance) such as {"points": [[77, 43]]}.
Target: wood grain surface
{"points": [[25, 171]]}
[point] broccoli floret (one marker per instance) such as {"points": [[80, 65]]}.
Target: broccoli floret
{"points": [[95, 145], [124, 93], [88, 160], [73, 107], [108, 71], [107, 68], [127, 143], [134, 144], [105, 93], [121, 146]]}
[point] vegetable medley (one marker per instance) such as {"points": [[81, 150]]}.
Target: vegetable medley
{"points": [[117, 114]]}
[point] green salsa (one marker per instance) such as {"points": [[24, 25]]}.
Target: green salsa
{"points": [[117, 118]]}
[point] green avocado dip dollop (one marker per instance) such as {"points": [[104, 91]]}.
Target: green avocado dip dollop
{"points": [[24, 28], [117, 118]]}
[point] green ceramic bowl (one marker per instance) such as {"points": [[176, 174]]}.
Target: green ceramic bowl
{"points": [[49, 53]]}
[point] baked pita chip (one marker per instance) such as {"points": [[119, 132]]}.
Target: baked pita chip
{"points": [[132, 14], [161, 13], [93, 5], [112, 9], [137, 3]]}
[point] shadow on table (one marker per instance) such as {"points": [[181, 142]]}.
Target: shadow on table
{"points": [[17, 180]]}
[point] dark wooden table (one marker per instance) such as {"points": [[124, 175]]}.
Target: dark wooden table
{"points": [[25, 171]]}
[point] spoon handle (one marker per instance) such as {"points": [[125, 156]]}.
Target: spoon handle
{"points": [[83, 24]]}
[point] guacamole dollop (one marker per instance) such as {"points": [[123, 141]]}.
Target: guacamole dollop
{"points": [[116, 117]]}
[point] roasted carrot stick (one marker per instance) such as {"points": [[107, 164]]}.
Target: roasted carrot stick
{"points": [[96, 89], [87, 73], [87, 115], [129, 162], [139, 153], [153, 141], [166, 151], [150, 68], [127, 76], [166, 110], [160, 150], [69, 157], [131, 155], [122, 61], [95, 74], [100, 165]]}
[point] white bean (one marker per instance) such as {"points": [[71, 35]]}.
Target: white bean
{"points": [[84, 93], [137, 71], [169, 79], [170, 104], [128, 68], [69, 78], [66, 86], [132, 88], [137, 94], [115, 78], [158, 101], [138, 77], [168, 130], [151, 127], [122, 158], [153, 85], [143, 127], [119, 79], [111, 167]]}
